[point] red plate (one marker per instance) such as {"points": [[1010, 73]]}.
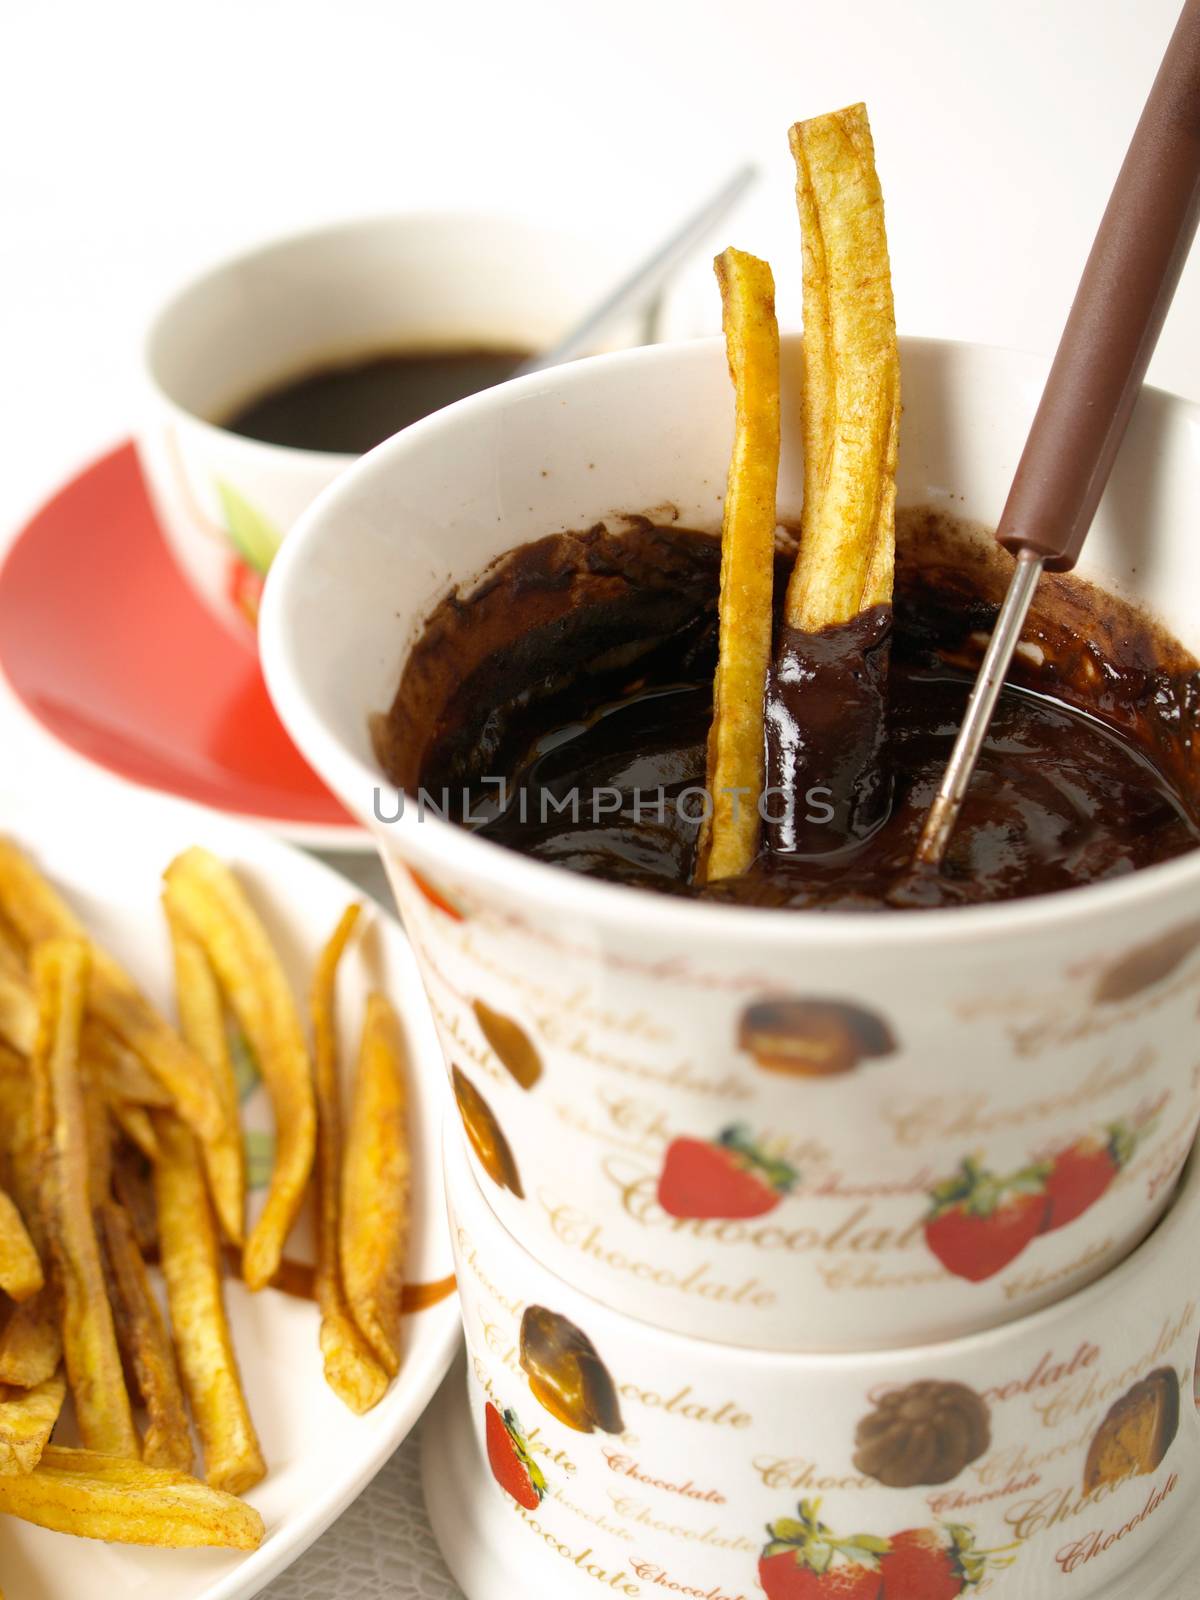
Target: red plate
{"points": [[113, 654]]}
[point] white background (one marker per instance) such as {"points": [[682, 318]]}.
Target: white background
{"points": [[140, 139]]}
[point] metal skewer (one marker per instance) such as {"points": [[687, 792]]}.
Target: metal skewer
{"points": [[1006, 635], [1110, 335], [646, 280]]}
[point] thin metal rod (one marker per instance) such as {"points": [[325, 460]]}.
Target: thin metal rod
{"points": [[943, 813], [646, 280]]}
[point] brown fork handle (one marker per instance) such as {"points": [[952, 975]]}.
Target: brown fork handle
{"points": [[1116, 317]]}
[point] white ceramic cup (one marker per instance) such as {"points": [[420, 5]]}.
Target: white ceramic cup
{"points": [[406, 282], [1011, 1040], [1049, 1457]]}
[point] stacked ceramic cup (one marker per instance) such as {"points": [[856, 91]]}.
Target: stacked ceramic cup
{"points": [[803, 1256]]}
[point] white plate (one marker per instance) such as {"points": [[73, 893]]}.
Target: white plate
{"points": [[107, 854]]}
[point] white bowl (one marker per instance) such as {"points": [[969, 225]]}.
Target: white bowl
{"points": [[686, 1452], [632, 1000], [406, 282]]}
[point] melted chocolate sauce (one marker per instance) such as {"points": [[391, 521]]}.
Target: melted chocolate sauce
{"points": [[353, 405], [1089, 771], [826, 734]]}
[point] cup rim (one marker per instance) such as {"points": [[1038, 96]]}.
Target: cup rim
{"points": [[460, 1176], [331, 461], [442, 846]]}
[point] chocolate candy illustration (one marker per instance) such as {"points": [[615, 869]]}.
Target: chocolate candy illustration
{"points": [[812, 1038], [924, 1433], [517, 1052], [1136, 1432], [1148, 964], [485, 1134], [566, 1373]]}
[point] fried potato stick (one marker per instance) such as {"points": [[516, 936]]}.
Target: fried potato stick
{"points": [[127, 1502], [99, 1139], [38, 913], [14, 957], [30, 1344], [134, 1122], [27, 1418], [18, 1012], [202, 1020], [204, 893], [190, 1254], [736, 758], [93, 1362], [376, 1197], [851, 395], [132, 1181], [127, 1084], [145, 1343], [20, 1266], [119, 1068], [112, 1076], [352, 1369]]}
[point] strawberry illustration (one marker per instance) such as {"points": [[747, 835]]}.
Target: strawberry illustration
{"points": [[803, 1560], [1081, 1173], [245, 587], [513, 1467], [979, 1223], [727, 1177], [933, 1563]]}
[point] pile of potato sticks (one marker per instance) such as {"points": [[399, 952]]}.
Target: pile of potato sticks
{"points": [[121, 1145]]}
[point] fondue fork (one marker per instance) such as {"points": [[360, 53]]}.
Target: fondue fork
{"points": [[1110, 335]]}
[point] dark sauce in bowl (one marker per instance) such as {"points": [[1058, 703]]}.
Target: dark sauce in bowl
{"points": [[583, 665], [352, 406]]}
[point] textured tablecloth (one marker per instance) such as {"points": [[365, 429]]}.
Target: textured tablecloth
{"points": [[380, 1547]]}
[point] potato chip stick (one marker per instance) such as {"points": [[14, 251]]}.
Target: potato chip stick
{"points": [[20, 1266], [202, 1021], [204, 893], [27, 1418], [190, 1254], [30, 1343], [60, 1129], [126, 1502], [144, 1342], [38, 913], [376, 1210], [851, 393], [352, 1369], [736, 759]]}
